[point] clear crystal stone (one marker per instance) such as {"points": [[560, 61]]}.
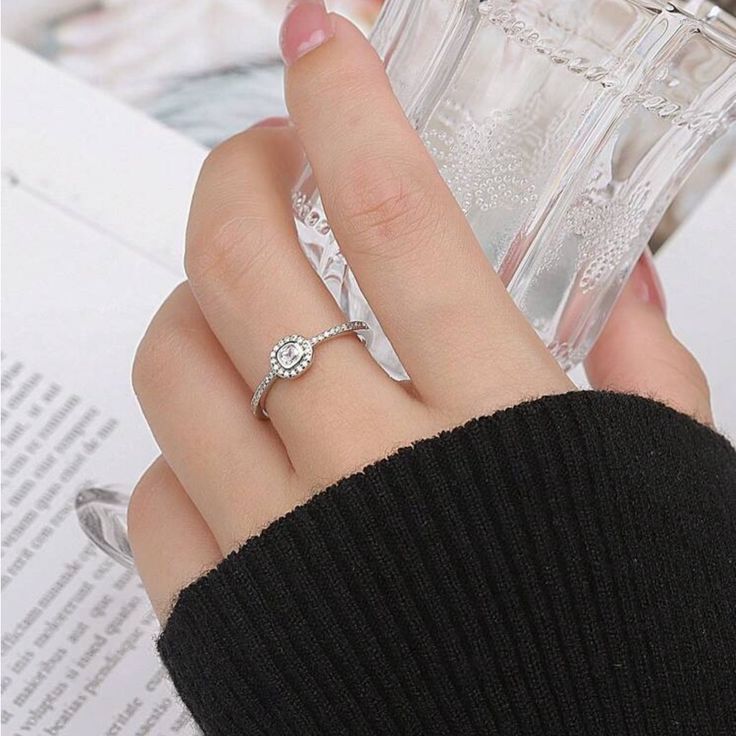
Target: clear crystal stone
{"points": [[289, 355]]}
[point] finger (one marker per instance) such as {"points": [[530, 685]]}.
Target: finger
{"points": [[255, 286], [407, 241], [234, 467], [637, 352], [171, 542]]}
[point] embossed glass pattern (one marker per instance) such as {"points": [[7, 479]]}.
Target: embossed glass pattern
{"points": [[563, 127]]}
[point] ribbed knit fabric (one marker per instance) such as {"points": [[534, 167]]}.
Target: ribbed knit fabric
{"points": [[567, 566]]}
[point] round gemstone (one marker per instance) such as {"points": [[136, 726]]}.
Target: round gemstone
{"points": [[289, 355]]}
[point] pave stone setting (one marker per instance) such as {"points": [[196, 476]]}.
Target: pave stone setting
{"points": [[291, 356]]}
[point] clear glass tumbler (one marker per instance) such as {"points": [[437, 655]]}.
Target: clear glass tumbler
{"points": [[564, 129]]}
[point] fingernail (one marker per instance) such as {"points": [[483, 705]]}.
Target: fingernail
{"points": [[273, 122], [646, 283], [306, 26]]}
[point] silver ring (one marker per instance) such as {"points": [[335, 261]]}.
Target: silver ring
{"points": [[293, 355]]}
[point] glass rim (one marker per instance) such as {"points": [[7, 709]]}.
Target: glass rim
{"points": [[707, 17]]}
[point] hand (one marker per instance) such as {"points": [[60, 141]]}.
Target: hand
{"points": [[223, 475]]}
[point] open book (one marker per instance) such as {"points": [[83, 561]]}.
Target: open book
{"points": [[95, 199], [95, 203]]}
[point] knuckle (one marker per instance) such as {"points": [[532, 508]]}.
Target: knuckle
{"points": [[381, 205], [227, 234], [142, 505], [685, 364], [224, 158], [161, 350], [235, 253]]}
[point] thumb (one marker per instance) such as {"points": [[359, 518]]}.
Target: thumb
{"points": [[637, 352]]}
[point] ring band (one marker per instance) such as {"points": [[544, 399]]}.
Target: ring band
{"points": [[292, 355]]}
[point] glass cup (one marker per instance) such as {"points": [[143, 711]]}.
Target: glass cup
{"points": [[564, 128]]}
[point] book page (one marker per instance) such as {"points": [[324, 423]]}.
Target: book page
{"points": [[77, 629], [88, 255]]}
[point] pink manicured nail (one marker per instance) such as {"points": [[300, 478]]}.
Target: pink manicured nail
{"points": [[646, 283], [306, 26]]}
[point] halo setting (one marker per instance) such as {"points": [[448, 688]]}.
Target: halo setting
{"points": [[291, 356]]}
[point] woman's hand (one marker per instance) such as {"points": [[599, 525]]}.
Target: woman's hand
{"points": [[224, 475]]}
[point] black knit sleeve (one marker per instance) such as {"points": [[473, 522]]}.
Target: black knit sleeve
{"points": [[567, 566]]}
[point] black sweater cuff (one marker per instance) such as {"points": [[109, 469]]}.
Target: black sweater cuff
{"points": [[567, 566]]}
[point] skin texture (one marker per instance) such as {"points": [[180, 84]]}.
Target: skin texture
{"points": [[223, 475]]}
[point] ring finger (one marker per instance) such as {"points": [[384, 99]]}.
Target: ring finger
{"points": [[254, 286]]}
